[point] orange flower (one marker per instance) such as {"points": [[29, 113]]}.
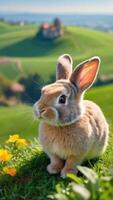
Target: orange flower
{"points": [[21, 142], [5, 155], [13, 138], [10, 171]]}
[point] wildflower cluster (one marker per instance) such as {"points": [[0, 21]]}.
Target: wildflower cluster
{"points": [[7, 155], [15, 139]]}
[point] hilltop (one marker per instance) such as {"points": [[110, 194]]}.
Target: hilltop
{"points": [[40, 56]]}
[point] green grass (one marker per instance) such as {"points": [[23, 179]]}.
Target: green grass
{"points": [[11, 74], [32, 180], [7, 28], [41, 56], [17, 120]]}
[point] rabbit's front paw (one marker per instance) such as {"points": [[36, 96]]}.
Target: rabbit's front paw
{"points": [[52, 169], [66, 171]]}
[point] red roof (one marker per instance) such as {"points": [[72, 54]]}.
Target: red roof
{"points": [[16, 87], [45, 26]]}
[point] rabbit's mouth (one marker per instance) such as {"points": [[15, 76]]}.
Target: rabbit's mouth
{"points": [[48, 114], [37, 112]]}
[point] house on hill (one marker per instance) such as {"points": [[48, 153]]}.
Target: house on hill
{"points": [[17, 87], [50, 31]]}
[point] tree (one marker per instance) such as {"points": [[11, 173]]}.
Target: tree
{"points": [[32, 84]]}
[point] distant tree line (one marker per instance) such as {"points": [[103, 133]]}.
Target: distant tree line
{"points": [[32, 84], [27, 89], [102, 82]]}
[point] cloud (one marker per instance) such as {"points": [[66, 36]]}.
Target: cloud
{"points": [[83, 8]]}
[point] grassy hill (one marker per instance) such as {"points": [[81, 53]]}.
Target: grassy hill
{"points": [[41, 56], [7, 28], [13, 73], [32, 179]]}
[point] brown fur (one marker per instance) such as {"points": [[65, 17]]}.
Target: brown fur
{"points": [[64, 68], [74, 131]]}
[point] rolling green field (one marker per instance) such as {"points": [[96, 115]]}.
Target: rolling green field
{"points": [[41, 56], [32, 181]]}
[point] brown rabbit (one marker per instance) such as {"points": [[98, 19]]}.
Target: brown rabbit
{"points": [[72, 129]]}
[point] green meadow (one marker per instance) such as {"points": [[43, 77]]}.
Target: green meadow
{"points": [[41, 56], [32, 182]]}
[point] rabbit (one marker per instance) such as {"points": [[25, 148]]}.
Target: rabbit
{"points": [[71, 129]]}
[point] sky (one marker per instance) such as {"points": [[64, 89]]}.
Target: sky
{"points": [[57, 6]]}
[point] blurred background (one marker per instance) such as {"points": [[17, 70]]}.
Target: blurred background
{"points": [[33, 34]]}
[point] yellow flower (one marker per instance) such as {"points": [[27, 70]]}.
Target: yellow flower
{"points": [[10, 171], [17, 140], [21, 142], [5, 155], [12, 138]]}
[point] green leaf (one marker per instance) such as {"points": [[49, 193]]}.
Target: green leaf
{"points": [[106, 178], [81, 190], [58, 188], [61, 197], [88, 173], [74, 178]]}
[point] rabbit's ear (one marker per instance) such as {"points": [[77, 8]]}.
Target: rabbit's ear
{"points": [[85, 73], [64, 67]]}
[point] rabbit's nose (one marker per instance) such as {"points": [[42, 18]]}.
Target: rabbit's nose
{"points": [[36, 110]]}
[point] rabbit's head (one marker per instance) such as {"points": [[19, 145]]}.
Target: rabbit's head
{"points": [[61, 102]]}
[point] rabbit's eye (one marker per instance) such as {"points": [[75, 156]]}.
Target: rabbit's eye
{"points": [[62, 99]]}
